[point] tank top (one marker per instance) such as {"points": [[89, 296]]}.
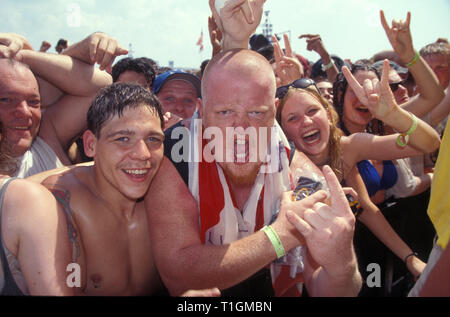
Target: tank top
{"points": [[10, 287]]}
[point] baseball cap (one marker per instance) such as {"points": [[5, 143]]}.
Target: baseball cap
{"points": [[400, 70], [163, 78], [317, 67]]}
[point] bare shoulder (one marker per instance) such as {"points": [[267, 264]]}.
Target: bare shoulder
{"points": [[71, 178], [24, 192], [26, 204], [168, 193], [168, 181], [41, 177]]}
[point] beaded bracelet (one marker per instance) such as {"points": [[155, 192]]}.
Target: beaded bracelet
{"points": [[275, 240]]}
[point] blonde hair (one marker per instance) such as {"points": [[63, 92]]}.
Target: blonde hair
{"points": [[335, 155]]}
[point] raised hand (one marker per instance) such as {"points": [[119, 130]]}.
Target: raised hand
{"points": [[375, 95], [215, 35], [399, 34], [103, 49], [45, 46], [237, 20], [11, 44], [287, 67], [328, 230], [97, 48], [314, 43]]}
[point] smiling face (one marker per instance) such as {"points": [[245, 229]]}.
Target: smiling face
{"points": [[20, 107], [356, 115], [305, 122], [178, 97], [128, 152]]}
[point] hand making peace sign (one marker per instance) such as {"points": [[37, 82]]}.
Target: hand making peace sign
{"points": [[374, 94]]}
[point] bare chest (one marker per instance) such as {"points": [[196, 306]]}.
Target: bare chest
{"points": [[117, 255]]}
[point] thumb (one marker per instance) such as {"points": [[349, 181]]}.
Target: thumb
{"points": [[120, 50]]}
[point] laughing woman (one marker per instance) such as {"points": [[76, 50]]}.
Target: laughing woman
{"points": [[311, 124]]}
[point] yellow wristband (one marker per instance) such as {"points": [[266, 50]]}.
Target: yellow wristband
{"points": [[414, 61], [275, 240], [403, 138]]}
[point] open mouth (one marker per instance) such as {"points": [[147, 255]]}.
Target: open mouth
{"points": [[311, 136], [241, 151], [137, 174], [362, 109]]}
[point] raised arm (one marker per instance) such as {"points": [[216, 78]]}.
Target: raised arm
{"points": [[70, 75], [314, 43], [37, 236], [11, 44], [380, 101], [78, 83], [237, 20], [183, 261], [431, 93], [215, 36], [380, 227], [287, 67], [97, 48]]}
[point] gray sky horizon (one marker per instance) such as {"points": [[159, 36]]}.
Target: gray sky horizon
{"points": [[169, 30]]}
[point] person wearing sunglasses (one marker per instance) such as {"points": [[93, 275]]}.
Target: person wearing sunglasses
{"points": [[311, 123]]}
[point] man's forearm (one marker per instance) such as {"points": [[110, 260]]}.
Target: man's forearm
{"points": [[66, 73], [217, 266], [343, 282]]}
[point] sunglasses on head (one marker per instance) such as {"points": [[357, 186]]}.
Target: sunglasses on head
{"points": [[394, 86], [302, 83]]}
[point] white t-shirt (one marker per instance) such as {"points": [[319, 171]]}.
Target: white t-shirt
{"points": [[39, 158]]}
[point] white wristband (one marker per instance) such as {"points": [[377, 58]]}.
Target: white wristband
{"points": [[327, 67]]}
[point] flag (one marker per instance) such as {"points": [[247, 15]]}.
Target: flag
{"points": [[200, 42]]}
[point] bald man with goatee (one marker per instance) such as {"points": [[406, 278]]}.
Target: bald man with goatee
{"points": [[225, 225]]}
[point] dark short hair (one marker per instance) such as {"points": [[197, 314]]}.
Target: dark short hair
{"points": [[116, 98], [62, 42], [141, 65], [316, 70]]}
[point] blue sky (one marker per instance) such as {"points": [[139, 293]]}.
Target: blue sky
{"points": [[167, 30]]}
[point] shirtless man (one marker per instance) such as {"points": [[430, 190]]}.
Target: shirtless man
{"points": [[125, 139]]}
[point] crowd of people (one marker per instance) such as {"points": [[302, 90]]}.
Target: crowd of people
{"points": [[264, 174]]}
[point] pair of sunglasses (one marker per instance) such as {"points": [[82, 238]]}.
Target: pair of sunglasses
{"points": [[302, 83], [394, 86]]}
